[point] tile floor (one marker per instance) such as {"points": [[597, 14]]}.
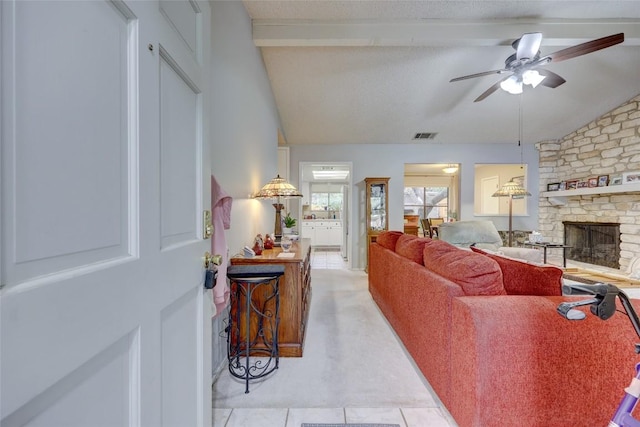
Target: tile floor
{"points": [[327, 259], [294, 417], [400, 396]]}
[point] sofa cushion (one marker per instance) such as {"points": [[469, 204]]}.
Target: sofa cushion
{"points": [[469, 270], [411, 247], [523, 278], [388, 239], [465, 233]]}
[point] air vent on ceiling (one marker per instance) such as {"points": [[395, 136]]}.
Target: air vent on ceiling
{"points": [[425, 135]]}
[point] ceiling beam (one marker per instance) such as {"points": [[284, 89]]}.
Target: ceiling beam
{"points": [[425, 32]]}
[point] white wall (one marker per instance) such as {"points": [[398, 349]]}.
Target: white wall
{"points": [[387, 160], [244, 135], [244, 123]]}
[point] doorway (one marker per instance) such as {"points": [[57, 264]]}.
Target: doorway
{"points": [[325, 211], [490, 204], [431, 191]]}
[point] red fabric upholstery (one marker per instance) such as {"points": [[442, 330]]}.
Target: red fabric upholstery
{"points": [[411, 247], [476, 274], [388, 239], [506, 359], [521, 364], [522, 278], [424, 326]]}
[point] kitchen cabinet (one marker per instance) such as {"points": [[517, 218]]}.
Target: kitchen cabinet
{"points": [[323, 233]]}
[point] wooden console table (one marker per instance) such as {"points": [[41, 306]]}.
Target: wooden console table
{"points": [[295, 293]]}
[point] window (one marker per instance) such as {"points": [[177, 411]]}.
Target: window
{"points": [[427, 202], [326, 197]]}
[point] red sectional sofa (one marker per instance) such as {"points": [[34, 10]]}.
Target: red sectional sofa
{"points": [[485, 333]]}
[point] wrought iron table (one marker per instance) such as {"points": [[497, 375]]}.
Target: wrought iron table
{"points": [[253, 320], [547, 245]]}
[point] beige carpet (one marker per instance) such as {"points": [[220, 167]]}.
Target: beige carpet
{"points": [[351, 358]]}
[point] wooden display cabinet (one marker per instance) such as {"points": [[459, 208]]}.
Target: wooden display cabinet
{"points": [[377, 198]]}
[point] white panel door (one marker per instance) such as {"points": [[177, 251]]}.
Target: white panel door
{"points": [[105, 174]]}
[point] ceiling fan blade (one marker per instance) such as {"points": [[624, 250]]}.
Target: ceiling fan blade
{"points": [[471, 76], [551, 80], [584, 48], [528, 45], [489, 91]]}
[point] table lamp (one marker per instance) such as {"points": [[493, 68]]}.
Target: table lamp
{"points": [[277, 189], [511, 189]]}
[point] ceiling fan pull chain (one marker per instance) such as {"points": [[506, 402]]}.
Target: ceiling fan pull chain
{"points": [[520, 132]]}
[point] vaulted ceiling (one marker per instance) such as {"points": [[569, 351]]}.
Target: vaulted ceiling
{"points": [[361, 71]]}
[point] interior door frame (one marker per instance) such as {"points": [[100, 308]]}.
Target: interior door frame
{"points": [[346, 217]]}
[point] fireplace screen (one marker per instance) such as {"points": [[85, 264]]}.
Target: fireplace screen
{"points": [[593, 243]]}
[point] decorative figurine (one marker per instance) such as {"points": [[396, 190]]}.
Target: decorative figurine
{"points": [[256, 248], [268, 242], [258, 245]]}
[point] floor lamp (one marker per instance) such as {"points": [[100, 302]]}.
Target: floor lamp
{"points": [[509, 190], [277, 189]]}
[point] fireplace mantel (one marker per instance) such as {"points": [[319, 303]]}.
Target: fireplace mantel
{"points": [[560, 197]]}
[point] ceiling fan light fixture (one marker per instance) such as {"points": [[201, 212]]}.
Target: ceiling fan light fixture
{"points": [[513, 85], [532, 77]]}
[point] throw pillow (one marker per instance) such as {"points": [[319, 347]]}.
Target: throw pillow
{"points": [[522, 278], [388, 239], [474, 273], [411, 247]]}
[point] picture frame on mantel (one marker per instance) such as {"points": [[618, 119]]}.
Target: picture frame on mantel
{"points": [[631, 177], [616, 180], [603, 180]]}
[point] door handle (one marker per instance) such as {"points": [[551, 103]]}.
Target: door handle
{"points": [[211, 260]]}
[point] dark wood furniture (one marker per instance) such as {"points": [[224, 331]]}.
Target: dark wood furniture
{"points": [[295, 293]]}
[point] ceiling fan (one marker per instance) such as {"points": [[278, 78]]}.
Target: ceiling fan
{"points": [[525, 65]]}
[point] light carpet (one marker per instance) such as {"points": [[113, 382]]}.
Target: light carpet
{"points": [[351, 358]]}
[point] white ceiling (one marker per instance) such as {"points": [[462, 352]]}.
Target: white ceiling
{"points": [[361, 71]]}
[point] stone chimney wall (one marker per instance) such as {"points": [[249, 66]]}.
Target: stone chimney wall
{"points": [[609, 145]]}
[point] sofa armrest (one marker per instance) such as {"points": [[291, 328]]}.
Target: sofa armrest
{"points": [[526, 254], [515, 358]]}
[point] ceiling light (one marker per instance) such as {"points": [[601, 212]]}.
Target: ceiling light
{"points": [[532, 77], [330, 174], [450, 169], [513, 85]]}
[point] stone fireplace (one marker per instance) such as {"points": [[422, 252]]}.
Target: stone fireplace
{"points": [[608, 146], [593, 243]]}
